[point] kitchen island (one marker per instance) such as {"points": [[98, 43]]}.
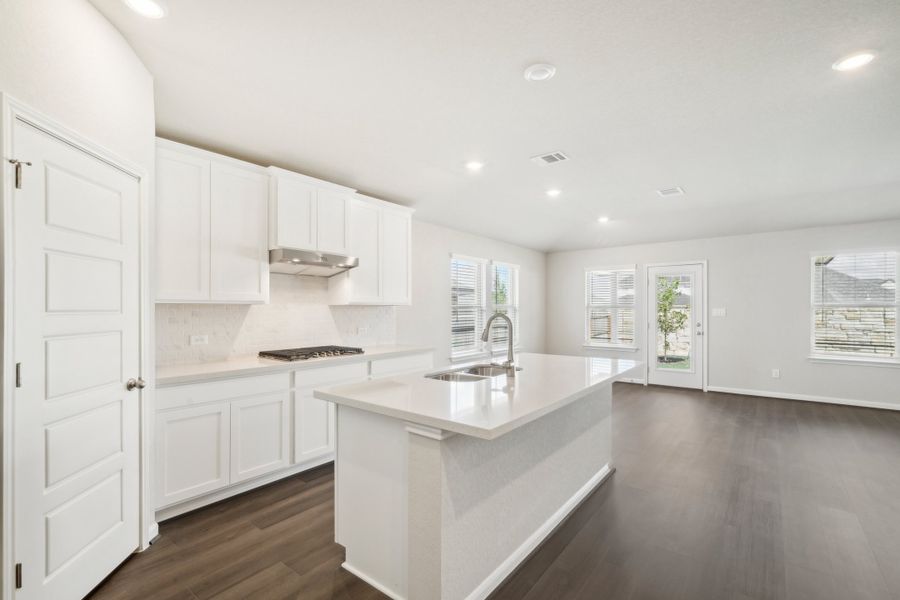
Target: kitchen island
{"points": [[444, 487]]}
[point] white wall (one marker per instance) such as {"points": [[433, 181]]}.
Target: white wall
{"points": [[66, 60], [763, 282], [427, 321]]}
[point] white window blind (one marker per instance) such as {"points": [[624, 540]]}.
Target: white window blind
{"points": [[854, 304], [478, 288], [609, 306]]}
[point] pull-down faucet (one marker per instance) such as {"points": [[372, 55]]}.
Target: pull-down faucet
{"points": [[486, 334]]}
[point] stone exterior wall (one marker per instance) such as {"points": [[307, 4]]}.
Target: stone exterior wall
{"points": [[868, 330]]}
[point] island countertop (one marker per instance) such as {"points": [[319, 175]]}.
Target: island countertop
{"points": [[490, 407]]}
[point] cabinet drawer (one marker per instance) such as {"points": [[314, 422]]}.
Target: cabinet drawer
{"points": [[402, 364], [200, 393], [314, 377]]}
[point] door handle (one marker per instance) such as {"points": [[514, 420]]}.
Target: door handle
{"points": [[132, 384]]}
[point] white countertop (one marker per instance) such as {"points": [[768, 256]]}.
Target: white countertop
{"points": [[488, 408], [253, 365]]}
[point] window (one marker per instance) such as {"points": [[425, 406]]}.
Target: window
{"points": [[479, 288], [854, 305], [609, 306]]}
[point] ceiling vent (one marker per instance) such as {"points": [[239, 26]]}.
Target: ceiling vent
{"points": [[550, 159], [670, 192]]}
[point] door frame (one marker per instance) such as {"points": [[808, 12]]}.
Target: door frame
{"points": [[12, 111], [651, 346]]}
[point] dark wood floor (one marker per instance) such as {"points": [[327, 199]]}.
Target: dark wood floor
{"points": [[715, 496]]}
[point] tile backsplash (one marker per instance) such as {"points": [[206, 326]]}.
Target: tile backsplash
{"points": [[298, 314]]}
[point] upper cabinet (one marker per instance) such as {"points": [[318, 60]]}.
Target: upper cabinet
{"points": [[308, 214], [211, 221], [381, 237]]}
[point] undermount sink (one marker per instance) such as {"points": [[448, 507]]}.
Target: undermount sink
{"points": [[472, 373]]}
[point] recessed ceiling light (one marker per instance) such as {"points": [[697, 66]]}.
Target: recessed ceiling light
{"points": [[854, 61], [603, 220], [554, 193], [474, 165], [152, 9], [540, 72]]}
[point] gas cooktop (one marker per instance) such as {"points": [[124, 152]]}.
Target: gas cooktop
{"points": [[292, 354]]}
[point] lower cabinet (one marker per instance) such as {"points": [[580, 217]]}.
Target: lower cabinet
{"points": [[219, 438], [260, 440], [191, 452]]}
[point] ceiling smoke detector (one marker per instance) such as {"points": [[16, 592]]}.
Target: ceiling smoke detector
{"points": [[540, 72], [670, 192], [549, 159]]}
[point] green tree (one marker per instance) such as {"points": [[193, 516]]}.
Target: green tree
{"points": [[669, 319]]}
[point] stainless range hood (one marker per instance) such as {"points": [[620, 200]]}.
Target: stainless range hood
{"points": [[302, 262]]}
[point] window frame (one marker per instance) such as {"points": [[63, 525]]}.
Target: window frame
{"points": [[487, 308], [849, 358], [588, 343]]}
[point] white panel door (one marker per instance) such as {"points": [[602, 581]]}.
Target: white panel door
{"points": [[77, 337], [333, 222], [395, 243], [313, 426], [182, 226], [239, 264], [259, 435], [365, 280], [191, 452], [294, 214], [675, 318]]}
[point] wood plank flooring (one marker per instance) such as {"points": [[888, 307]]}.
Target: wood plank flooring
{"points": [[715, 496]]}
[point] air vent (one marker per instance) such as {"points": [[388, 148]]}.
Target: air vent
{"points": [[550, 159], [670, 192]]}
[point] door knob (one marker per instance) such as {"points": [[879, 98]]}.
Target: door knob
{"points": [[138, 383]]}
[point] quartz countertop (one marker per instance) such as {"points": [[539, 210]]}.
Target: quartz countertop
{"points": [[253, 365], [490, 407]]}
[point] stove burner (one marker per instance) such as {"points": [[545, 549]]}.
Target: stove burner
{"points": [[292, 354]]}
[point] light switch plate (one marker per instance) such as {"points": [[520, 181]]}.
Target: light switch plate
{"points": [[719, 312], [199, 340], [776, 373]]}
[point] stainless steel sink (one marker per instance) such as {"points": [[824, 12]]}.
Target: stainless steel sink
{"points": [[487, 370], [454, 376]]}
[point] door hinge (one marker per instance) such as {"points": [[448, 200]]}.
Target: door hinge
{"points": [[18, 375], [17, 164], [18, 576]]}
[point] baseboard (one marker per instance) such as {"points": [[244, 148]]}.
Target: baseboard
{"points": [[233, 490], [637, 380], [372, 581], [805, 397], [506, 568]]}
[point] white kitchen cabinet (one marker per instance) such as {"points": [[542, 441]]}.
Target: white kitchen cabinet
{"points": [[260, 440], [182, 226], [381, 237], [314, 419], [239, 258], [211, 221], [307, 213], [191, 452]]}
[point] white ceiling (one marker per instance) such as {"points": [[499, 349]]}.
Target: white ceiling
{"points": [[735, 101]]}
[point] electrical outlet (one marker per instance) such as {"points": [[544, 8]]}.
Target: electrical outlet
{"points": [[776, 373], [719, 312], [199, 340]]}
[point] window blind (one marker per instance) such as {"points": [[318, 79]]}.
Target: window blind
{"points": [[609, 306], [504, 299], [854, 304], [479, 288]]}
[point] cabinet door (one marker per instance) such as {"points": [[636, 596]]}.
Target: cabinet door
{"points": [[295, 214], [182, 227], [191, 452], [333, 222], [365, 280], [239, 265], [313, 426], [395, 244], [259, 435]]}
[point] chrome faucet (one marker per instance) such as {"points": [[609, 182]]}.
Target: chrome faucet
{"points": [[486, 334]]}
